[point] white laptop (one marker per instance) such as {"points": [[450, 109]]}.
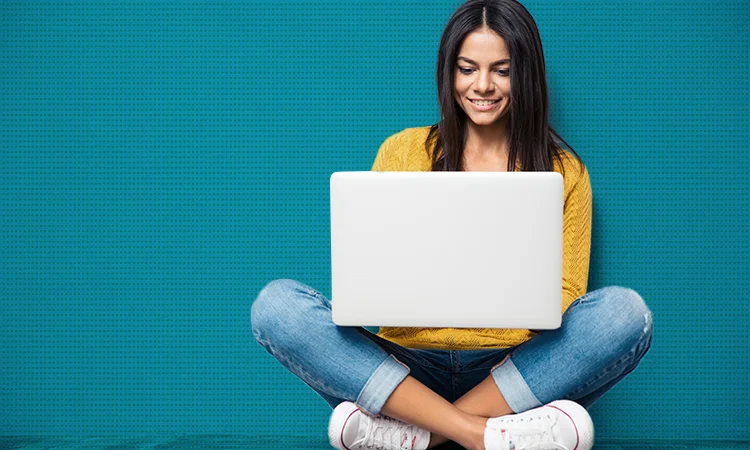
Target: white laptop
{"points": [[447, 249]]}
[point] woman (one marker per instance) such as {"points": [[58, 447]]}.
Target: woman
{"points": [[415, 388]]}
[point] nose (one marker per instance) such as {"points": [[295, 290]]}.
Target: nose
{"points": [[484, 82]]}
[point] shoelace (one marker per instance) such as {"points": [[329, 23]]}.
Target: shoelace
{"points": [[387, 433], [532, 433]]}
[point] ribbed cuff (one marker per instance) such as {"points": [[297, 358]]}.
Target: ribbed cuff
{"points": [[513, 387], [381, 385]]}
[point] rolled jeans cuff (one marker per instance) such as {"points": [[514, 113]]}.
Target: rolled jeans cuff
{"points": [[513, 387], [381, 385]]}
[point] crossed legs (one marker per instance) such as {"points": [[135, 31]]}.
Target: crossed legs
{"points": [[462, 422], [603, 336]]}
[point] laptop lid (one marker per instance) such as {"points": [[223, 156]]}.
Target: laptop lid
{"points": [[447, 249]]}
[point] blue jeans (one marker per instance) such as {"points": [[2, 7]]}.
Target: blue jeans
{"points": [[603, 336]]}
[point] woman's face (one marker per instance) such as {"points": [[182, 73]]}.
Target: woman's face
{"points": [[483, 73]]}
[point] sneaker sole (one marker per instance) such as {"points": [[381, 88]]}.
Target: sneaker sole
{"points": [[581, 420], [340, 415]]}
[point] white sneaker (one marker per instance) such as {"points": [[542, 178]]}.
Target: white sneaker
{"points": [[560, 425], [352, 429]]}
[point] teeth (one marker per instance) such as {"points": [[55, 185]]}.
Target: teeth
{"points": [[484, 102]]}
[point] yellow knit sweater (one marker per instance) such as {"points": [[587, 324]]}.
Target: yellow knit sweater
{"points": [[405, 151]]}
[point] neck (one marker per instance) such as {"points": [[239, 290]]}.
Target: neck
{"points": [[487, 140]]}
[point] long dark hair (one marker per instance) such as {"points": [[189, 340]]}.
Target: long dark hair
{"points": [[532, 141]]}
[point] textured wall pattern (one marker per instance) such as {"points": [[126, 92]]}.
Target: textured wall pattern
{"points": [[161, 162]]}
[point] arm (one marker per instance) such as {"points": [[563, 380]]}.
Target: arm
{"points": [[388, 159], [577, 212]]}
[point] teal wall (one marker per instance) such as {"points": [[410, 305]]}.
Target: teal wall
{"points": [[161, 162]]}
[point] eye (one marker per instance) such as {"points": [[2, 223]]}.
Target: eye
{"points": [[468, 71]]}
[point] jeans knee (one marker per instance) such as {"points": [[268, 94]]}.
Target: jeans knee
{"points": [[639, 311], [268, 310], [627, 315]]}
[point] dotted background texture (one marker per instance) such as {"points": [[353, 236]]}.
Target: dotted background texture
{"points": [[161, 162]]}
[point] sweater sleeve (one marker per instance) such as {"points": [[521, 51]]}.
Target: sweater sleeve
{"points": [[577, 211], [389, 155]]}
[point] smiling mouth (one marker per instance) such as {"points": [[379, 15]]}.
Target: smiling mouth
{"points": [[484, 102]]}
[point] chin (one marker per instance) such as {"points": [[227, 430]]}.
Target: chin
{"points": [[485, 121], [482, 123]]}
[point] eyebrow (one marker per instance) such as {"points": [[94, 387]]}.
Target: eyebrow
{"points": [[502, 61]]}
